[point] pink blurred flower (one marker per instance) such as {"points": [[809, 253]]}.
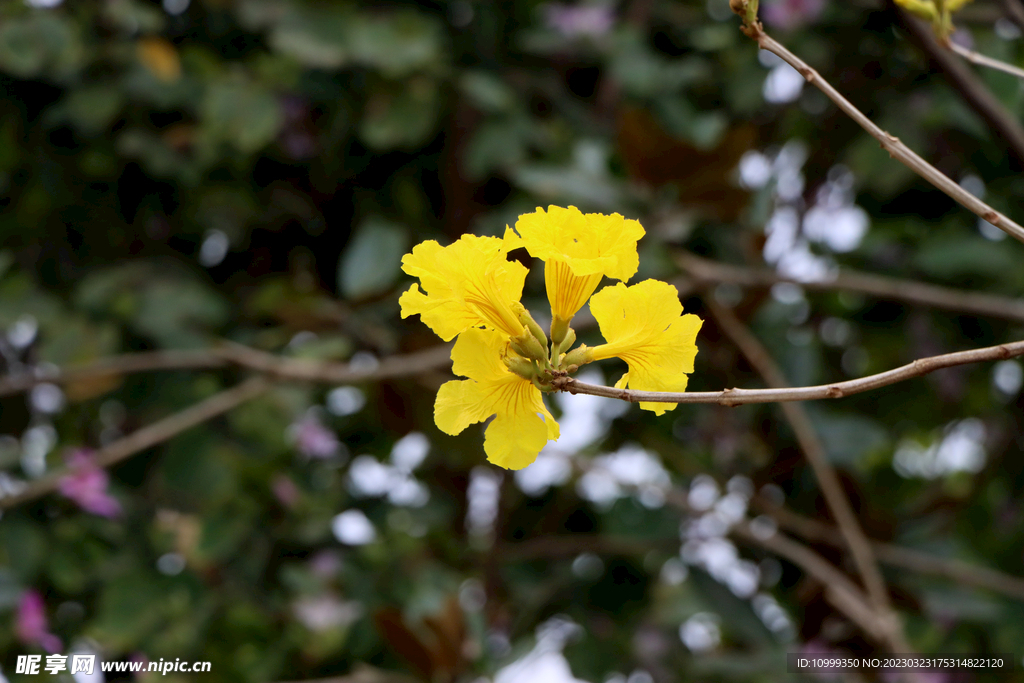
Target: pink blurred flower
{"points": [[574, 21], [312, 438], [324, 612], [87, 484], [30, 623], [325, 564], [144, 661], [820, 648], [285, 490], [790, 14]]}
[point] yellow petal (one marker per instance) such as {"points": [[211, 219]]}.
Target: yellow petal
{"points": [[522, 424], [467, 284], [643, 326], [457, 406], [514, 438], [922, 8], [578, 250], [567, 292]]}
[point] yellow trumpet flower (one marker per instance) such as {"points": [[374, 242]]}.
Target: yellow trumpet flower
{"points": [[644, 326], [578, 250], [522, 424], [467, 284]]}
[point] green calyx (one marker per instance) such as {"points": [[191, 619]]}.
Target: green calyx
{"points": [[565, 345], [527, 320], [581, 355], [537, 361], [746, 9], [520, 366], [559, 329], [528, 346]]}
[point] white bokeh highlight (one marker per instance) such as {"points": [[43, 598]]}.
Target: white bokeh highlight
{"points": [[353, 527]]}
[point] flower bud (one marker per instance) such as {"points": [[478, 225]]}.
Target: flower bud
{"points": [[581, 355], [527, 320], [520, 366], [559, 328], [527, 346], [567, 342]]}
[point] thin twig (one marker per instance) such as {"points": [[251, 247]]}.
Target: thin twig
{"points": [[303, 370], [149, 361], [149, 436], [898, 556], [840, 591], [828, 480], [735, 397], [890, 143], [706, 271], [965, 81], [982, 60], [844, 595], [277, 367]]}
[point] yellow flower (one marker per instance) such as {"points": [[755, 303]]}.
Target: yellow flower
{"points": [[928, 9], [467, 284], [643, 326], [940, 14], [522, 425], [578, 249]]}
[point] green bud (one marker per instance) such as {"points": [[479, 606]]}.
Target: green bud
{"points": [[559, 328], [747, 9], [527, 320], [581, 355], [527, 346], [521, 366], [567, 342]]}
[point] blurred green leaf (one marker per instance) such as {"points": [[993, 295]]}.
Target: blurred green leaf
{"points": [[131, 608], [132, 17], [25, 547], [40, 44], [965, 256], [241, 113], [195, 466], [228, 208], [397, 43], [157, 300], [703, 129], [315, 36], [848, 438], [400, 118], [567, 185], [372, 260], [644, 73], [486, 90]]}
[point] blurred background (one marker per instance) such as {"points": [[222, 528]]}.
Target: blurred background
{"points": [[179, 173]]}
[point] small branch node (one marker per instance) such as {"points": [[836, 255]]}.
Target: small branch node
{"points": [[724, 400]]}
